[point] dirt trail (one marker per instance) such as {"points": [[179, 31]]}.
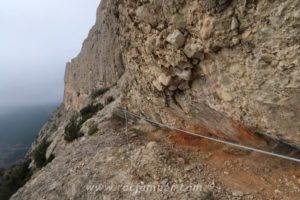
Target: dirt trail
{"points": [[244, 171]]}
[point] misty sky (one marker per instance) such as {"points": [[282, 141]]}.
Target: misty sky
{"points": [[37, 39]]}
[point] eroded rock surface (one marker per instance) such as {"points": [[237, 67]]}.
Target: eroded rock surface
{"points": [[100, 62], [238, 58]]}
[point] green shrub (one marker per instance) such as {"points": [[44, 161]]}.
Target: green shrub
{"points": [[99, 92], [51, 157], [14, 178], [72, 130], [109, 100], [93, 129], [89, 111], [39, 154]]}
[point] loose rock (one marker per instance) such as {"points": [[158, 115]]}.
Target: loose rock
{"points": [[176, 38]]}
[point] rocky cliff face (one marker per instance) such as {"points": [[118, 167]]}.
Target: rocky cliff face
{"points": [[99, 63], [226, 68], [234, 61]]}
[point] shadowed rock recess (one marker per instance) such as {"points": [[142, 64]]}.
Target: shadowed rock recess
{"points": [[225, 68]]}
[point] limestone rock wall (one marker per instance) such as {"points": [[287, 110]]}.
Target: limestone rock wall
{"points": [[239, 58], [226, 65], [99, 64]]}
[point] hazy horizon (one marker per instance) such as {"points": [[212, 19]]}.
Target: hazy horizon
{"points": [[37, 39]]}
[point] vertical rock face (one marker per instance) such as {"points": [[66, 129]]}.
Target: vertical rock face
{"points": [[236, 61], [99, 64], [243, 55]]}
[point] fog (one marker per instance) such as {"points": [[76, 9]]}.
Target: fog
{"points": [[37, 39]]}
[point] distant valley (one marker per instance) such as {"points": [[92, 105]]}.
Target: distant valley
{"points": [[19, 126]]}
